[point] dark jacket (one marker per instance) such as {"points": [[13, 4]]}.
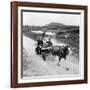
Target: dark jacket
{"points": [[49, 43], [40, 42]]}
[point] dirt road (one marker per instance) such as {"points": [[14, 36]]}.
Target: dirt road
{"points": [[35, 66]]}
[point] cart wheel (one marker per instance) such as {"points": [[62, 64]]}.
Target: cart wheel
{"points": [[44, 56], [37, 50]]}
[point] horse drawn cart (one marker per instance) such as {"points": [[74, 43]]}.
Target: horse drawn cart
{"points": [[60, 51], [43, 51]]}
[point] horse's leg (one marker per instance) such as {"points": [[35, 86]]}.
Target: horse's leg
{"points": [[65, 57], [59, 61]]}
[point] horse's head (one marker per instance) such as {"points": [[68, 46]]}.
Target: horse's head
{"points": [[69, 50]]}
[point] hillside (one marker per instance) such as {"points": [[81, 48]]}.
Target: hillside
{"points": [[52, 26]]}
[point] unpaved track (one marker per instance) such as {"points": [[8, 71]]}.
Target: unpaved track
{"points": [[37, 67]]}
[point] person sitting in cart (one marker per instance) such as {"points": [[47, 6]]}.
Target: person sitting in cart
{"points": [[40, 42], [49, 43], [39, 45]]}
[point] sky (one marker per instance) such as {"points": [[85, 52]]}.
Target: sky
{"points": [[40, 19]]}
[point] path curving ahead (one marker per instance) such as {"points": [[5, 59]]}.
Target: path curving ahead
{"points": [[35, 66]]}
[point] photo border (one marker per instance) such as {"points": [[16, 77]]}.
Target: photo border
{"points": [[14, 43]]}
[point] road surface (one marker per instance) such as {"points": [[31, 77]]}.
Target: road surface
{"points": [[34, 65]]}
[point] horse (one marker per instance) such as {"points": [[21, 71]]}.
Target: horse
{"points": [[60, 51]]}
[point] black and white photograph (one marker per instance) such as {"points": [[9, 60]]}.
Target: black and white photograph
{"points": [[50, 43]]}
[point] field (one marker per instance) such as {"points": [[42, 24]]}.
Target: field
{"points": [[72, 40]]}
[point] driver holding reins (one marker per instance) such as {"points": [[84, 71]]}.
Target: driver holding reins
{"points": [[49, 43]]}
